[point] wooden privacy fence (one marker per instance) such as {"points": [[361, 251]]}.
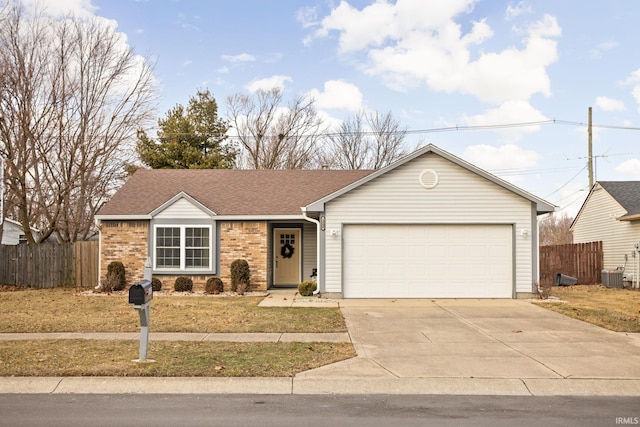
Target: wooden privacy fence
{"points": [[580, 260], [49, 265]]}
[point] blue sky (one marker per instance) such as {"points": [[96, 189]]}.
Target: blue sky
{"points": [[434, 64]]}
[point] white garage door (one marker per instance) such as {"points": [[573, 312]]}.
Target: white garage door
{"points": [[427, 261]]}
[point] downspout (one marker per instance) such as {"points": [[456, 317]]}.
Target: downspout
{"points": [[98, 224], [317, 223]]}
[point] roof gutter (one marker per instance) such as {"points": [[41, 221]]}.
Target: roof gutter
{"points": [[139, 217], [317, 223]]}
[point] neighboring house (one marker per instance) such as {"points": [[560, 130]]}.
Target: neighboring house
{"points": [[611, 214], [13, 233], [427, 226]]}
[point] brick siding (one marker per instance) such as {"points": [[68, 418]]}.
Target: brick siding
{"points": [[244, 240], [127, 242]]}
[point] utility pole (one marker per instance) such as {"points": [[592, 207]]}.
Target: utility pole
{"points": [[1, 194], [590, 154]]}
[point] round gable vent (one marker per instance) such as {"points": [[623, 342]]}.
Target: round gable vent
{"points": [[428, 178]]}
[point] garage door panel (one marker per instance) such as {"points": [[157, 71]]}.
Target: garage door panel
{"points": [[427, 261]]}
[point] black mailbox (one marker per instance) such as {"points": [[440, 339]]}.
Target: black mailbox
{"points": [[141, 292]]}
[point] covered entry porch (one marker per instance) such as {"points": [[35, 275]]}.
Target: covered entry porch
{"points": [[292, 249]]}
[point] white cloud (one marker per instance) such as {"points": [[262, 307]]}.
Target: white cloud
{"points": [[187, 63], [508, 113], [409, 45], [630, 168], [85, 10], [182, 22], [337, 94], [268, 83], [328, 120], [243, 57], [634, 80], [600, 48], [513, 11], [307, 16], [79, 8], [504, 160], [609, 104]]}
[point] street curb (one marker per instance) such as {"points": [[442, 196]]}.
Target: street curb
{"points": [[300, 386]]}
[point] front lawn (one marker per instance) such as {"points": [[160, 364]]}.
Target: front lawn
{"points": [[52, 358], [66, 310], [614, 309]]}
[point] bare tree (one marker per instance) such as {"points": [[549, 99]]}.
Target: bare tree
{"points": [[554, 230], [72, 96], [273, 136], [366, 141]]}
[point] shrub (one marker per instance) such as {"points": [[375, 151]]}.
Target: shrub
{"points": [[183, 284], [116, 277], [109, 282], [307, 288], [240, 274], [242, 288], [543, 291], [156, 284], [214, 286]]}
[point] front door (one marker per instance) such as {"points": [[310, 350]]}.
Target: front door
{"points": [[286, 254]]}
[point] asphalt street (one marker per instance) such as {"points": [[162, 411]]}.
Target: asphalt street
{"points": [[73, 410]]}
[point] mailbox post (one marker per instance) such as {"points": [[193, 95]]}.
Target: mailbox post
{"points": [[141, 295]]}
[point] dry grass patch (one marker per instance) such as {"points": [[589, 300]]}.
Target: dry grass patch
{"points": [[66, 310], [172, 359], [614, 309]]}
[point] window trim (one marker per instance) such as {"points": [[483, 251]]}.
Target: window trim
{"points": [[183, 249]]}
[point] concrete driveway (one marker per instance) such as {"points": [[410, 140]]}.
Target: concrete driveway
{"points": [[479, 347]]}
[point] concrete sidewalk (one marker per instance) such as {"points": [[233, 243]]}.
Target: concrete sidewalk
{"points": [[467, 347], [179, 336]]}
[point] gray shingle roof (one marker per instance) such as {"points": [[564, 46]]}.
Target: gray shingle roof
{"points": [[229, 192], [627, 193]]}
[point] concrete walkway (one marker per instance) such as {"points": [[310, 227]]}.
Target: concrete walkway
{"points": [[171, 336], [488, 347]]}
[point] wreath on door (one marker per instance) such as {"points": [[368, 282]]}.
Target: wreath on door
{"points": [[286, 251]]}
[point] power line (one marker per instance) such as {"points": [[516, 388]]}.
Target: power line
{"points": [[456, 128], [522, 171], [567, 183]]}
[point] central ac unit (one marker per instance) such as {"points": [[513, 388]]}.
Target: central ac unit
{"points": [[612, 278]]}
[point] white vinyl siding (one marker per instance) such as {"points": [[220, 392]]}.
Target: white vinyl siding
{"points": [[12, 233], [309, 249], [598, 222], [460, 197], [182, 209]]}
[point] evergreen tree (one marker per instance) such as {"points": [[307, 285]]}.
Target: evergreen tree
{"points": [[191, 138]]}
